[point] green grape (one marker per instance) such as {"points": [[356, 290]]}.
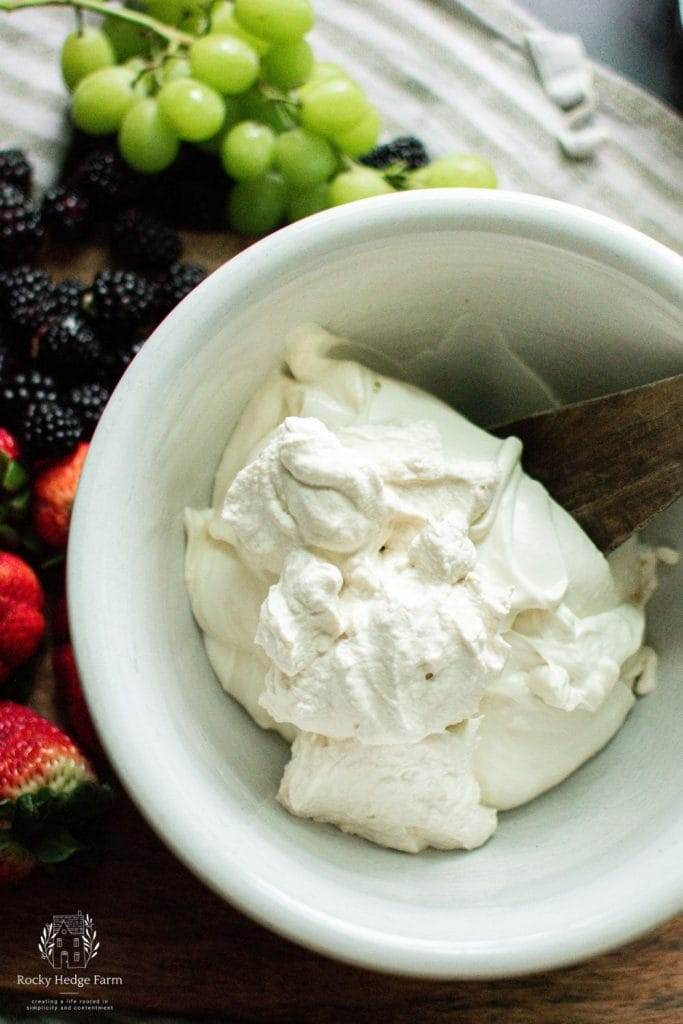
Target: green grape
{"points": [[194, 22], [223, 21], [247, 150], [257, 206], [360, 183], [233, 115], [360, 138], [143, 77], [168, 11], [194, 109], [324, 70], [175, 67], [137, 65], [288, 65], [128, 40], [102, 98], [280, 21], [305, 201], [463, 171], [147, 141], [257, 107], [304, 158], [84, 52], [332, 106], [224, 62]]}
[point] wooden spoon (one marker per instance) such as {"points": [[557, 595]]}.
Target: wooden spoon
{"points": [[613, 462]]}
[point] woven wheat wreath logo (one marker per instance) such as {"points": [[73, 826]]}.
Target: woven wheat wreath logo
{"points": [[69, 941]]}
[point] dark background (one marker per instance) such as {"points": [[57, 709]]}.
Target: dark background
{"points": [[638, 38]]}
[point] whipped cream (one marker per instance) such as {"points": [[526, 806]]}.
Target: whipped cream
{"points": [[379, 581], [405, 795]]}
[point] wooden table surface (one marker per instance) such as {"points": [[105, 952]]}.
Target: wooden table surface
{"points": [[178, 949]]}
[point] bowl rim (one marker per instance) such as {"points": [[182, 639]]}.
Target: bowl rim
{"points": [[518, 214]]}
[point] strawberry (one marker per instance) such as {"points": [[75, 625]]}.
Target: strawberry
{"points": [[9, 445], [71, 695], [14, 491], [50, 800], [53, 496], [22, 624]]}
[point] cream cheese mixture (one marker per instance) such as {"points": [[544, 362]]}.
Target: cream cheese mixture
{"points": [[379, 581]]}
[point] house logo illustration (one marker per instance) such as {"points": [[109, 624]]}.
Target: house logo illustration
{"points": [[69, 941]]}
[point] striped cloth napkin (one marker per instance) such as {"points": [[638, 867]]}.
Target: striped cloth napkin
{"points": [[458, 73]]}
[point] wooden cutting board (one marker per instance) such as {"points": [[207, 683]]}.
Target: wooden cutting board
{"points": [[178, 949]]}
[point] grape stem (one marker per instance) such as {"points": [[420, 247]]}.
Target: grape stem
{"points": [[152, 66], [275, 96], [172, 35]]}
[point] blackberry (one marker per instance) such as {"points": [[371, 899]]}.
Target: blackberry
{"points": [[179, 282], [88, 402], [6, 361], [80, 146], [129, 353], [105, 179], [67, 297], [119, 359], [66, 213], [8, 353], [69, 348], [16, 278], [121, 299], [25, 297], [12, 358], [193, 192], [50, 429], [25, 388], [145, 242], [21, 226], [15, 170], [406, 149], [17, 354]]}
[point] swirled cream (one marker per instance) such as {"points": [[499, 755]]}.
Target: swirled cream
{"points": [[379, 581]]}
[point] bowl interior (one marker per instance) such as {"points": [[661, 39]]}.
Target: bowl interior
{"points": [[488, 303]]}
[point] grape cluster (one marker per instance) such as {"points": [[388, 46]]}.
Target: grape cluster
{"points": [[240, 81]]}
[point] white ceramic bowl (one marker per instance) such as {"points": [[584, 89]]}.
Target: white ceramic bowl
{"points": [[592, 306]]}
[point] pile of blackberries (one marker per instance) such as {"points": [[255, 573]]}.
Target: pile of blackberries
{"points": [[63, 346]]}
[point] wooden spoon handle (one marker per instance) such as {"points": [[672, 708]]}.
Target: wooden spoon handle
{"points": [[613, 462]]}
